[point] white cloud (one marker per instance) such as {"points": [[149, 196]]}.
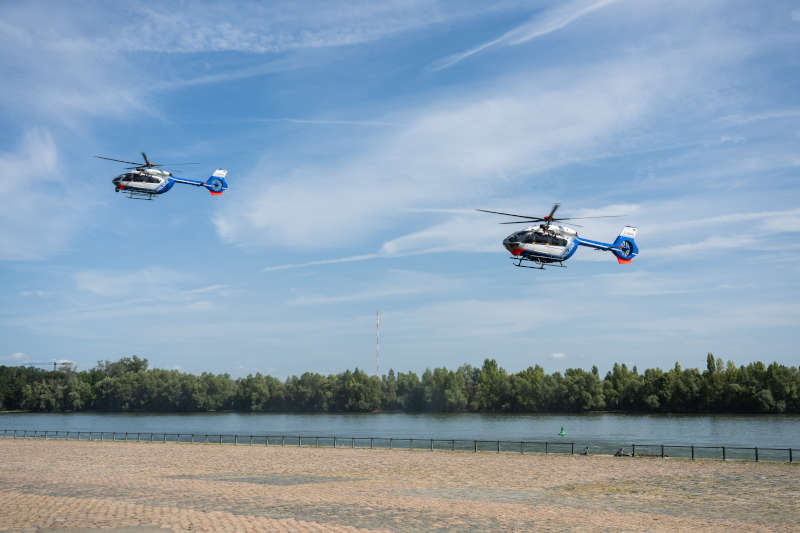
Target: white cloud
{"points": [[275, 27], [542, 24], [143, 282], [448, 151], [558, 355], [742, 119], [14, 357], [39, 210], [337, 260]]}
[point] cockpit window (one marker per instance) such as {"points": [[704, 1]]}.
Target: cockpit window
{"points": [[523, 237]]}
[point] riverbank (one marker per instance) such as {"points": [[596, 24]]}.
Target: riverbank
{"points": [[64, 484]]}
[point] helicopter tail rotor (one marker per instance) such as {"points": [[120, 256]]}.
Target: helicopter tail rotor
{"points": [[216, 184], [624, 247]]}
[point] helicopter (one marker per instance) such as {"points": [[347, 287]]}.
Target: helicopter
{"points": [[144, 181], [550, 244]]}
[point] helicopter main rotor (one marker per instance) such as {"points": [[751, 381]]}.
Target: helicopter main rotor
{"points": [[147, 162], [547, 219]]}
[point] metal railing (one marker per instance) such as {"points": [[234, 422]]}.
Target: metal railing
{"points": [[430, 444]]}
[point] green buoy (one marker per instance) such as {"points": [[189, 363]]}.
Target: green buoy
{"points": [[562, 432]]}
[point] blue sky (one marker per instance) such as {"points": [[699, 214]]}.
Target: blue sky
{"points": [[360, 137]]}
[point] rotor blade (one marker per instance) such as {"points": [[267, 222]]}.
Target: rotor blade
{"points": [[174, 164], [148, 163], [555, 208], [535, 219], [519, 222], [584, 218], [119, 160]]}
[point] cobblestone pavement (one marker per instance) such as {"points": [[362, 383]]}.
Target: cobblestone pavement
{"points": [[55, 485]]}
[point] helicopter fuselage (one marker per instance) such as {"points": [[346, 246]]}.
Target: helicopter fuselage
{"points": [[553, 245], [147, 181]]}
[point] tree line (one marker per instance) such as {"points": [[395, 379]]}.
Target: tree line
{"points": [[129, 385]]}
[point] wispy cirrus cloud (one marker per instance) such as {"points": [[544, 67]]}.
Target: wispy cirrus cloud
{"points": [[548, 21], [395, 284]]}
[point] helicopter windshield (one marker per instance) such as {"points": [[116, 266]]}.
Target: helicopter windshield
{"points": [[522, 236], [534, 237]]}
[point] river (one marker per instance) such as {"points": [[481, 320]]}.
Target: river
{"points": [[767, 431]]}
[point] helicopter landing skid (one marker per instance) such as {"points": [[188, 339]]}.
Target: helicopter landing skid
{"points": [[540, 265], [139, 195]]}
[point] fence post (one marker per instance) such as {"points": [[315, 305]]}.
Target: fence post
{"points": [[251, 440], [756, 449], [662, 451], [572, 448], [790, 455], [453, 444], [411, 445], [236, 438], [546, 447], [522, 447], [126, 436], [371, 442], [205, 438], [633, 450], [299, 441], [316, 442], [266, 440], [353, 443], [498, 446], [475, 444], [334, 442], [192, 438], [390, 444], [692, 452], [723, 453]]}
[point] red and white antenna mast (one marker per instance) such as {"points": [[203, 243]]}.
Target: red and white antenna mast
{"points": [[378, 343]]}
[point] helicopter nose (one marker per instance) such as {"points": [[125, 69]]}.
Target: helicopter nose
{"points": [[115, 181]]}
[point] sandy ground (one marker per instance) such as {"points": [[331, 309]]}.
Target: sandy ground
{"points": [[58, 485]]}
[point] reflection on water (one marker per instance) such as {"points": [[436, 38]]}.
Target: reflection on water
{"points": [[727, 430]]}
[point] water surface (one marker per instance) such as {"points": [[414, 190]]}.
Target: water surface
{"points": [[778, 431]]}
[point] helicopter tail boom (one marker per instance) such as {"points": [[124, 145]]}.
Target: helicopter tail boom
{"points": [[624, 246]]}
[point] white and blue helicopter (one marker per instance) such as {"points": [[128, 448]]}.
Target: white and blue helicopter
{"points": [[552, 244], [143, 181]]}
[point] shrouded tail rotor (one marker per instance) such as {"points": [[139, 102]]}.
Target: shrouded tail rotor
{"points": [[216, 184], [624, 247]]}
